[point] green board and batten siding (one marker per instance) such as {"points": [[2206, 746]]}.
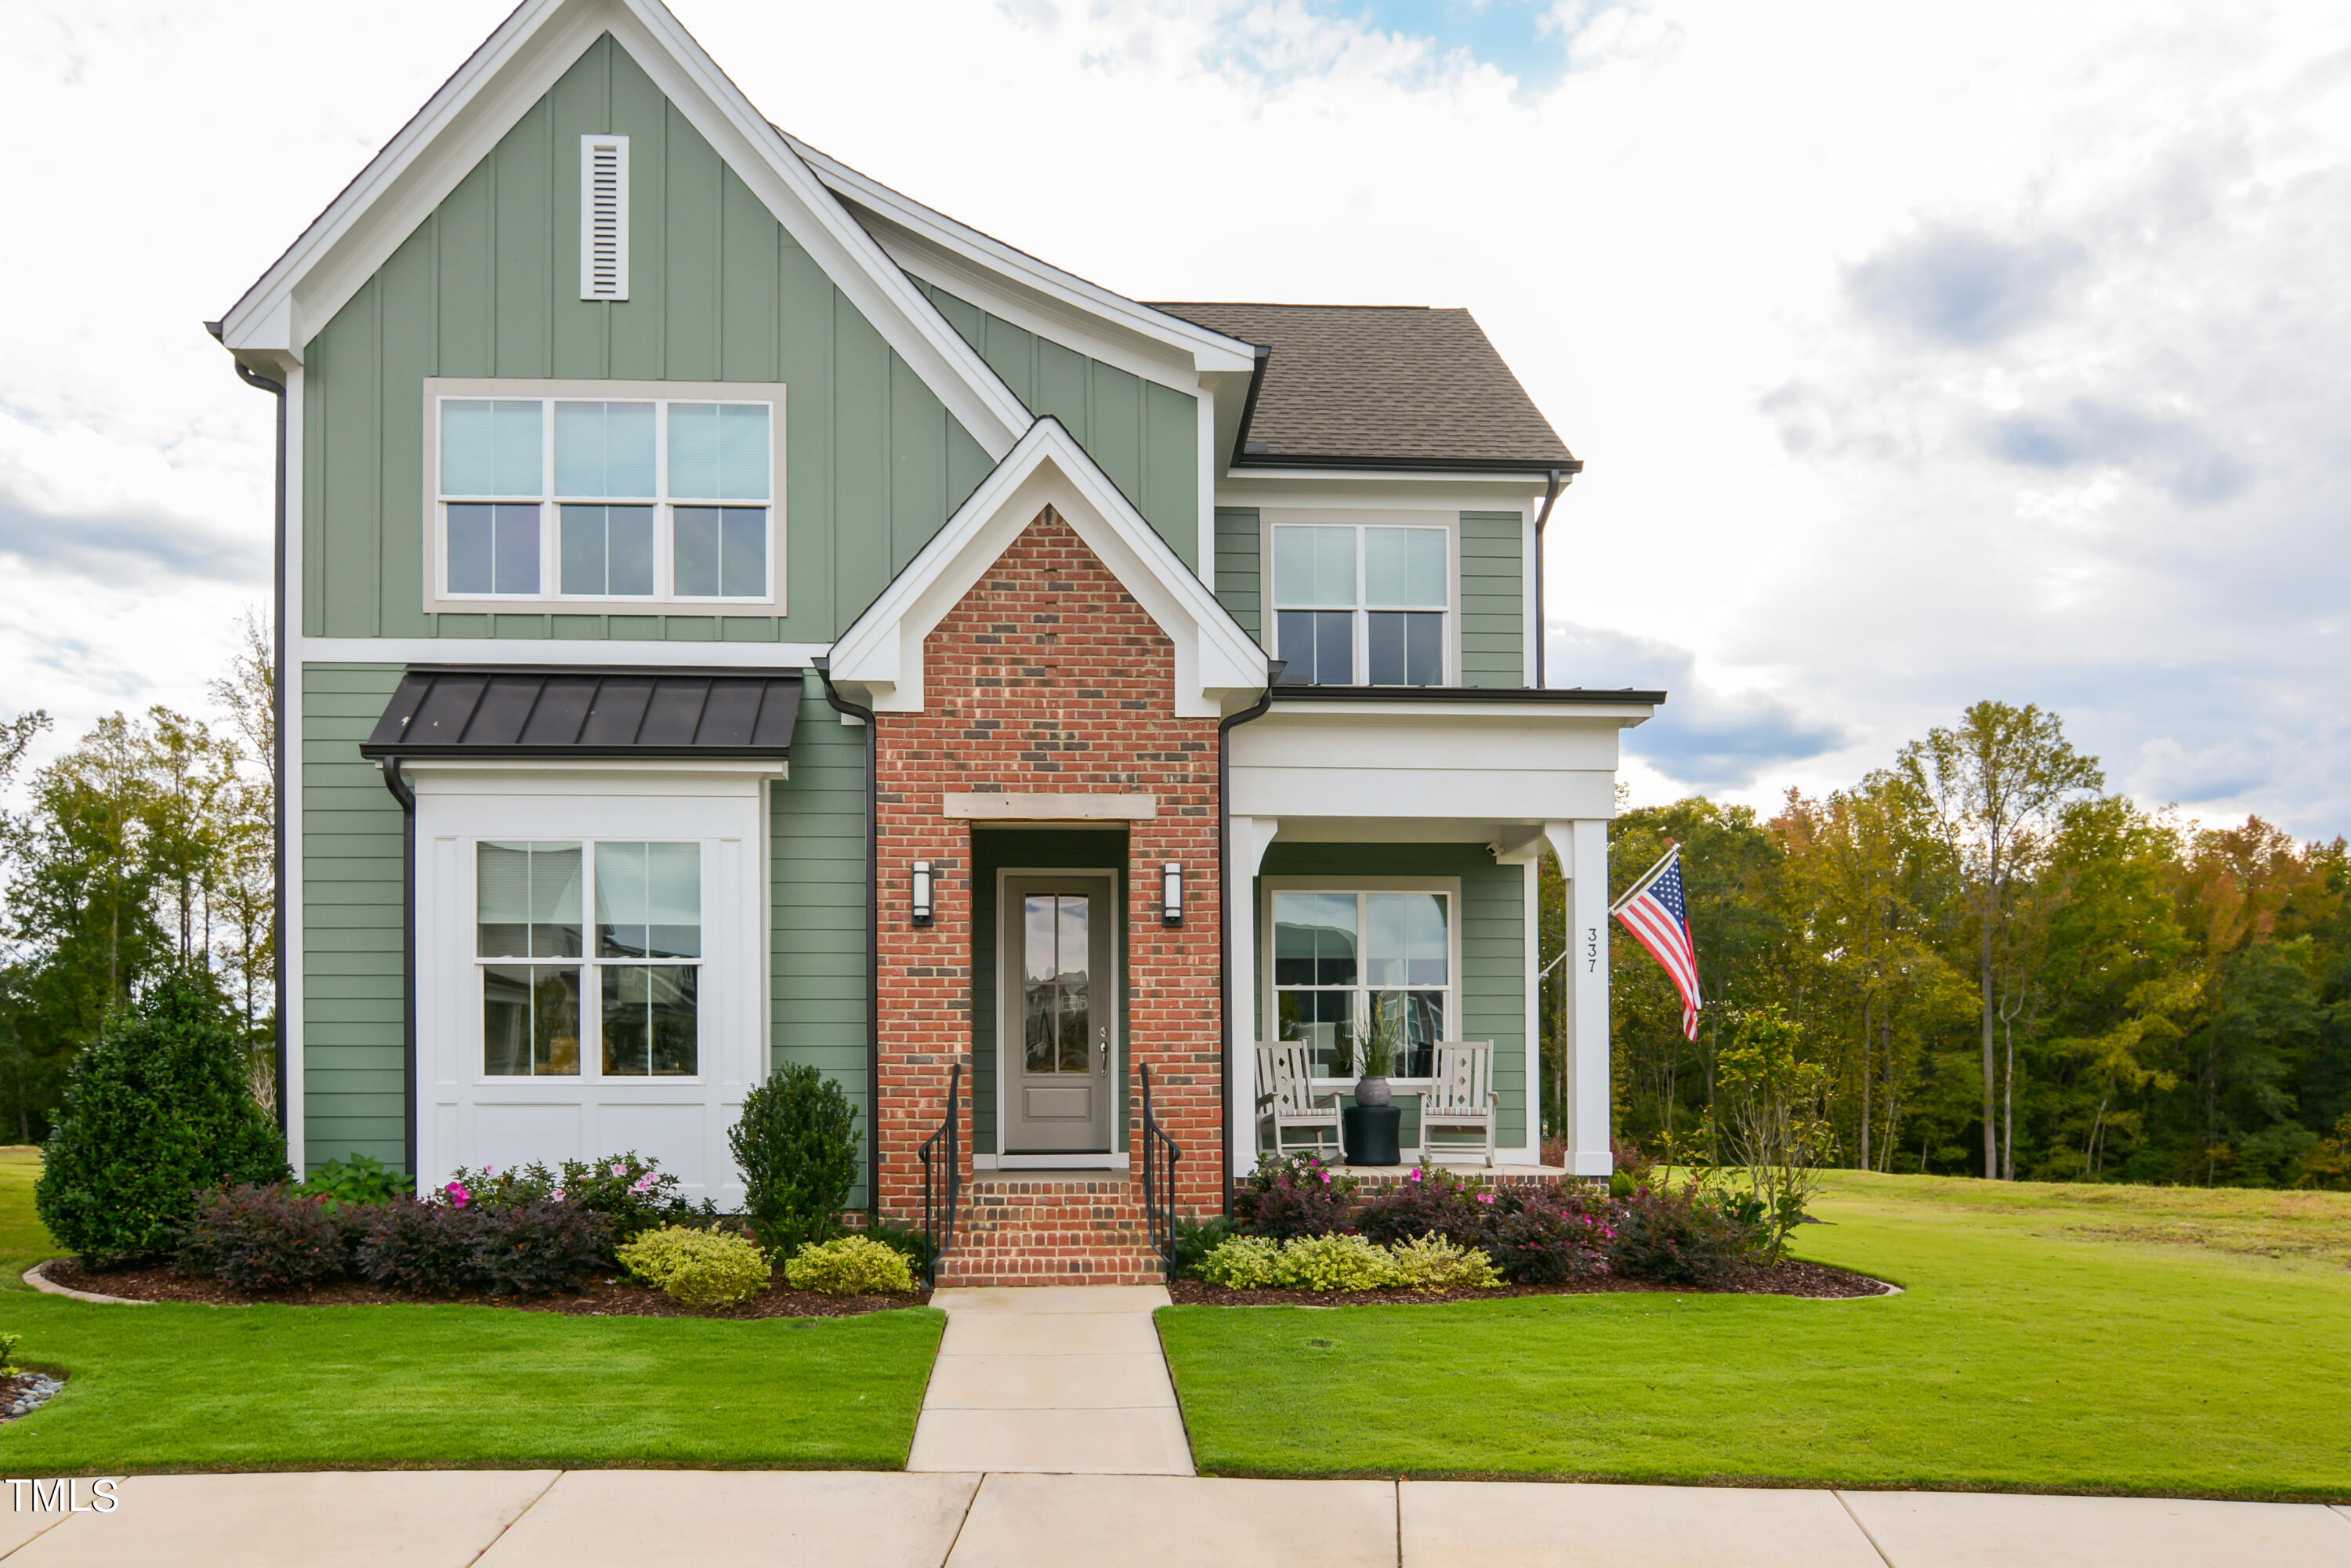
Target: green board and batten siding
{"points": [[488, 286], [1146, 437], [1493, 979]]}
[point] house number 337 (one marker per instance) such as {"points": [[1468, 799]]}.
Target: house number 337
{"points": [[1591, 950]]}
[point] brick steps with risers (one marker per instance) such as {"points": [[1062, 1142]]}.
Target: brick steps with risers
{"points": [[1041, 1229]]}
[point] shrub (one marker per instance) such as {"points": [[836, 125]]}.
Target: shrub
{"points": [[850, 1266], [8, 1344], [1678, 1238], [1428, 1202], [1432, 1263], [411, 1245], [537, 1249], [797, 1146], [1336, 1262], [698, 1267], [1550, 1235], [903, 1237], [634, 1193], [1244, 1263], [1298, 1196], [158, 1110], [1196, 1239], [362, 1179], [265, 1238]]}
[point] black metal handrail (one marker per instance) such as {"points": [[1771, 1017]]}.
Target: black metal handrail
{"points": [[1159, 1157], [941, 1192]]}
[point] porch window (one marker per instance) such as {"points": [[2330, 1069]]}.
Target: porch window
{"points": [[545, 990], [1343, 959], [1360, 605], [656, 499]]}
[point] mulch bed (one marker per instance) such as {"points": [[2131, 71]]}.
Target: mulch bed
{"points": [[1785, 1278], [605, 1298]]}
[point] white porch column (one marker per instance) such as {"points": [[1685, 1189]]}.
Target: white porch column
{"points": [[1244, 848], [1583, 848]]}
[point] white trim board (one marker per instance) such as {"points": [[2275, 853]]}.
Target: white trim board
{"points": [[882, 654], [550, 651], [488, 94]]}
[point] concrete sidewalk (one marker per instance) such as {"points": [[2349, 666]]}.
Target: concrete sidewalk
{"points": [[689, 1519], [1066, 1380]]}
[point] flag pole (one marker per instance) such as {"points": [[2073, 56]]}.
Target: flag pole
{"points": [[1643, 879]]}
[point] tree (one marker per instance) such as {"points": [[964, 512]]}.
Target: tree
{"points": [[1994, 786]]}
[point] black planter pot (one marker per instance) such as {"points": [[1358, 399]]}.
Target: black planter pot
{"points": [[1371, 1134]]}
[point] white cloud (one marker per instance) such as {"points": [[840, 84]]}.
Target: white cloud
{"points": [[1919, 354]]}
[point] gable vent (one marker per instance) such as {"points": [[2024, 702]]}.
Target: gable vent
{"points": [[603, 217]]}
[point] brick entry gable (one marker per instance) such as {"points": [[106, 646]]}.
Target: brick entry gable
{"points": [[1048, 676]]}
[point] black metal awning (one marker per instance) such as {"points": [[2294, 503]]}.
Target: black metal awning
{"points": [[587, 712]]}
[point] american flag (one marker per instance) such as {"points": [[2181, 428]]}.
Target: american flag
{"points": [[1656, 914]]}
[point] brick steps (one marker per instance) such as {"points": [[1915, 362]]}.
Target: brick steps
{"points": [[1037, 1230]]}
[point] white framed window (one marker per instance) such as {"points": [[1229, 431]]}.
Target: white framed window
{"points": [[1342, 953], [605, 503], [1362, 603], [575, 983]]}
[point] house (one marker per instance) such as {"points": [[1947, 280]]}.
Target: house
{"points": [[732, 613]]}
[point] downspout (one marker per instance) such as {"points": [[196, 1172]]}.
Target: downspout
{"points": [[406, 796], [277, 724], [1558, 481], [1225, 728], [823, 666]]}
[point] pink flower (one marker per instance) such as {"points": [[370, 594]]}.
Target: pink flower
{"points": [[1326, 1178], [489, 1170], [1416, 1175], [459, 1195], [643, 1183], [1485, 1197], [620, 1170]]}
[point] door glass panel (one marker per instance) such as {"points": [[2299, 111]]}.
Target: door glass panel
{"points": [[1056, 1009]]}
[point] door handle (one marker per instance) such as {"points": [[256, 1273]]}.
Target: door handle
{"points": [[1102, 1046]]}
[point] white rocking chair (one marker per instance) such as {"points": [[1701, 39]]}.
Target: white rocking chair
{"points": [[1286, 1099], [1461, 1097]]}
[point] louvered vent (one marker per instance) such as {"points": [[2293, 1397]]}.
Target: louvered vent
{"points": [[603, 217]]}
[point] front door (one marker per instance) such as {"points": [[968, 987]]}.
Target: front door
{"points": [[1058, 937]]}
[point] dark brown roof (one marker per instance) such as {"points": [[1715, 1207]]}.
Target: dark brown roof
{"points": [[1383, 386], [447, 710]]}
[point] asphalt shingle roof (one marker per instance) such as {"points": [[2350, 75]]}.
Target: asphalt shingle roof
{"points": [[1388, 385]]}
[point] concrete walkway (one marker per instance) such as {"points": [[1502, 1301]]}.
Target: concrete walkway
{"points": [[785, 1519], [1064, 1380]]}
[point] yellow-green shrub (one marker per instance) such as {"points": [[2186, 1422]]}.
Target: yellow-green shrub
{"points": [[1336, 1262], [698, 1267], [1432, 1263], [1243, 1263], [850, 1266]]}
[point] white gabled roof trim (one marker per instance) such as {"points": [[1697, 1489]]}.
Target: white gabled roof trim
{"points": [[512, 70], [1208, 350], [883, 652]]}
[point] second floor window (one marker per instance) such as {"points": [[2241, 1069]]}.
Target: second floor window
{"points": [[1360, 605], [557, 499]]}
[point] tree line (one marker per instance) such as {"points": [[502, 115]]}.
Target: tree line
{"points": [[147, 849], [2002, 969]]}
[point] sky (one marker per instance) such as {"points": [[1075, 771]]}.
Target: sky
{"points": [[1919, 354]]}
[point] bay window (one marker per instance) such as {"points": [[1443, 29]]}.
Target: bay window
{"points": [[1361, 604], [605, 503], [545, 991], [1344, 959]]}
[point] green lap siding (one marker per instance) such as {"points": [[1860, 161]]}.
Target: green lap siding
{"points": [[1493, 603], [1493, 979], [488, 286], [353, 913], [1146, 437], [816, 821], [1238, 548]]}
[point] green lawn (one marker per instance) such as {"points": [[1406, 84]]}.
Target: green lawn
{"points": [[2089, 1339], [187, 1387]]}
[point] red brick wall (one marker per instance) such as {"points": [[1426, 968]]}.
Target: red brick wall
{"points": [[1048, 677]]}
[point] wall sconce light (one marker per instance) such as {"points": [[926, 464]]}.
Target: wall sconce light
{"points": [[1170, 894], [922, 899]]}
